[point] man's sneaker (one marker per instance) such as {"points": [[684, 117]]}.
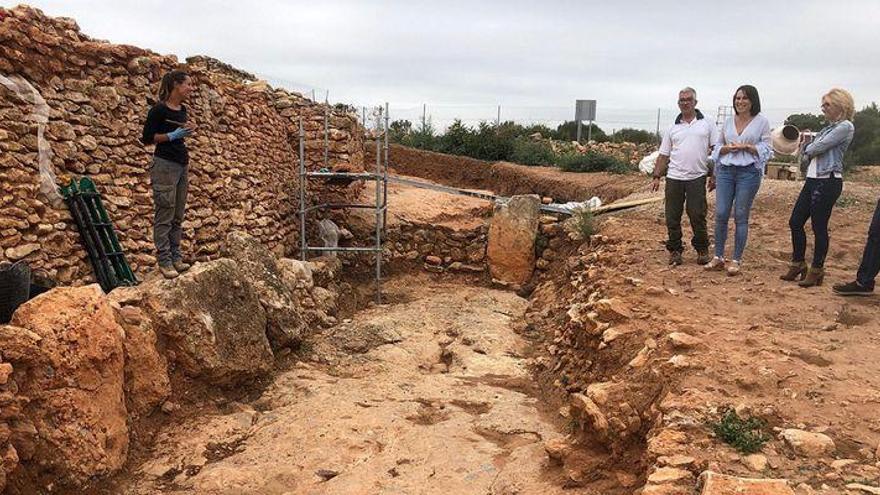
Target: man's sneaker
{"points": [[168, 271], [734, 268], [703, 257], [675, 258], [181, 267], [851, 289], [716, 265]]}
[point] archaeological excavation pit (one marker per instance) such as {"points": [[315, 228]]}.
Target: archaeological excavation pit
{"points": [[514, 351]]}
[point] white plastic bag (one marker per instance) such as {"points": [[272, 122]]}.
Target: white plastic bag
{"points": [[329, 234], [647, 163], [40, 115]]}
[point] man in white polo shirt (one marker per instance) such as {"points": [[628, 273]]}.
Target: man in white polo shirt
{"points": [[684, 160]]}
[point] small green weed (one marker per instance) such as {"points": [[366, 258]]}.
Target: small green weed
{"points": [[583, 223], [847, 201], [745, 435]]}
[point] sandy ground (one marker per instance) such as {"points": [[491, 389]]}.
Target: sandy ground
{"points": [[408, 204], [391, 402]]}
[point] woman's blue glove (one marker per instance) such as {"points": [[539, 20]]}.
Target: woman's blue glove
{"points": [[179, 133]]}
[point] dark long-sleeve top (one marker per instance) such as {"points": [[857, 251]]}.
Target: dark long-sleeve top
{"points": [[159, 121]]}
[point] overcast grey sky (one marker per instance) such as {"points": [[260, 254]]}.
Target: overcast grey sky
{"points": [[533, 58]]}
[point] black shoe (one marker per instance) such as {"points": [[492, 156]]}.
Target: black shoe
{"points": [[703, 257], [851, 289], [675, 258]]}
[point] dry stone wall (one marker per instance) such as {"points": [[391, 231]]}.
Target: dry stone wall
{"points": [[438, 248], [244, 168]]}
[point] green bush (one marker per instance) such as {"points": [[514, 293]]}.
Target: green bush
{"points": [[591, 162], [807, 121], [455, 140], [621, 167], [865, 146], [637, 136], [567, 131], [507, 141], [745, 435], [528, 152]]}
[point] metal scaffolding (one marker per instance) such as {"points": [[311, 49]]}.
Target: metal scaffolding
{"points": [[380, 176]]}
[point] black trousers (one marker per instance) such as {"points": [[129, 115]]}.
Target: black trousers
{"points": [[815, 202], [870, 265], [689, 195]]}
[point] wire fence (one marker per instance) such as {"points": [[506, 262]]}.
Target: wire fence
{"points": [[441, 115]]}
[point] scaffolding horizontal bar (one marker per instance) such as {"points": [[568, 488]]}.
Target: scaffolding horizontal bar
{"points": [[353, 249], [340, 206], [350, 175]]}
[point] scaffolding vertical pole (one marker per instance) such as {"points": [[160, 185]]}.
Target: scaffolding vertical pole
{"points": [[302, 191], [378, 209], [326, 130], [385, 176]]}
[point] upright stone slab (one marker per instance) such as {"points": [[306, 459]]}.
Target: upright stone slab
{"points": [[284, 324], [512, 235]]}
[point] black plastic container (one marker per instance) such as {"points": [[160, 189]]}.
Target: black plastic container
{"points": [[15, 285]]}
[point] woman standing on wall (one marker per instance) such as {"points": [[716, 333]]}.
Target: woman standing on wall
{"points": [[823, 158], [167, 127], [740, 155]]}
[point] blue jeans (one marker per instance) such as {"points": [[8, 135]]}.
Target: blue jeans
{"points": [[735, 188], [870, 265]]}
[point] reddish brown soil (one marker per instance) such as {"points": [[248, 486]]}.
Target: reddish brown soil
{"points": [[795, 357], [507, 179]]}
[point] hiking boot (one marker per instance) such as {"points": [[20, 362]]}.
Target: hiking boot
{"points": [[181, 267], [703, 257], [716, 265], [168, 271], [815, 276], [797, 270], [734, 268], [675, 258], [851, 289]]}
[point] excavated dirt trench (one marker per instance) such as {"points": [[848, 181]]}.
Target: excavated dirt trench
{"points": [[431, 395], [432, 392]]}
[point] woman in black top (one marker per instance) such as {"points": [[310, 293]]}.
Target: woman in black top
{"points": [[167, 128]]}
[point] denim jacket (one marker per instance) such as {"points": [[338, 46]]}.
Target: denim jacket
{"points": [[829, 146]]}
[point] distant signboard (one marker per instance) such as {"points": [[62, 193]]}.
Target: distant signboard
{"points": [[585, 110]]}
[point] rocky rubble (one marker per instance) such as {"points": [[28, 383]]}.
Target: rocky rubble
{"points": [[631, 153], [81, 371], [631, 378], [244, 167]]}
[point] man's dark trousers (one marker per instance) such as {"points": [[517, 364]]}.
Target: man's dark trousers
{"points": [[870, 265], [689, 195]]}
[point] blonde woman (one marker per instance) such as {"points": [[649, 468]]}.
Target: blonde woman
{"points": [[823, 158]]}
